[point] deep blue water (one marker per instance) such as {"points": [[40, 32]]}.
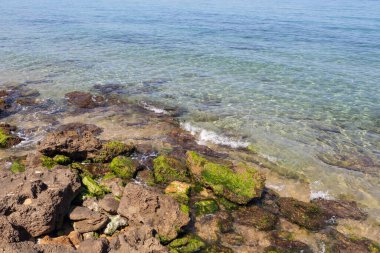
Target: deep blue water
{"points": [[298, 79]]}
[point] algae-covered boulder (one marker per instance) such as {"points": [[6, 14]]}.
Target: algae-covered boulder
{"points": [[113, 149], [239, 184], [167, 169], [188, 244], [308, 215], [123, 167], [62, 160], [7, 137], [179, 191], [208, 206]]}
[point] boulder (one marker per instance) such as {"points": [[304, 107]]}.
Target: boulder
{"points": [[77, 141], [143, 205], [167, 169], [239, 184], [36, 200], [7, 136], [137, 239], [87, 220]]}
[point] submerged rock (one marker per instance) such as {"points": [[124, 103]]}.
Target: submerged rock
{"points": [[137, 239], [77, 141], [167, 169], [37, 201], [282, 241], [143, 205], [239, 184], [256, 217], [307, 215], [341, 209], [84, 100]]}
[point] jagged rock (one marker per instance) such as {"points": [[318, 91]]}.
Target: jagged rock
{"points": [[257, 217], [341, 209], [75, 237], [109, 204], [9, 232], [31, 247], [137, 239], [307, 215], [94, 246], [60, 240], [144, 205], [239, 184], [37, 200], [84, 100], [87, 220], [77, 141]]}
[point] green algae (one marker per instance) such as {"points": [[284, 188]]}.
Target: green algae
{"points": [[228, 205], [179, 191], [185, 209], [123, 167], [109, 175], [17, 167], [92, 186], [48, 162], [167, 169], [62, 160], [187, 244], [4, 139], [240, 184], [208, 206]]}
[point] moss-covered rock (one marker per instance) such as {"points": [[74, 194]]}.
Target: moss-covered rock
{"points": [[217, 249], [208, 206], [123, 167], [179, 190], [3, 139], [62, 160], [48, 162], [283, 242], [113, 149], [227, 205], [255, 216], [187, 244], [308, 215], [17, 167], [167, 169], [146, 176], [239, 184], [7, 138], [92, 186]]}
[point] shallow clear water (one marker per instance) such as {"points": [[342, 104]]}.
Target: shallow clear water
{"points": [[298, 79]]}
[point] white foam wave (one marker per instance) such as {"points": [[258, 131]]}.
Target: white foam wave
{"points": [[320, 194], [153, 108], [204, 136]]}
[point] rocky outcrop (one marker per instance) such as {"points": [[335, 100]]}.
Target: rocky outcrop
{"points": [[36, 200], [143, 205], [77, 141], [256, 217], [138, 239], [341, 209]]}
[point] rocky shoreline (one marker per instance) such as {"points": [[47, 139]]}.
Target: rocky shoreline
{"points": [[71, 185]]}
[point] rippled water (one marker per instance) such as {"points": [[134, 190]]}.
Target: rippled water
{"points": [[300, 80]]}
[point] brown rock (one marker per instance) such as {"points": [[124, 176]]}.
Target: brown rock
{"points": [[94, 246], [139, 239], [143, 205], [257, 217], [115, 185], [50, 193], [109, 204], [84, 99], [282, 242], [342, 244], [60, 240], [75, 238], [9, 232], [87, 220], [77, 141]]}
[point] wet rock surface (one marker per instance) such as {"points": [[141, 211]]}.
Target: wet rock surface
{"points": [[84, 100]]}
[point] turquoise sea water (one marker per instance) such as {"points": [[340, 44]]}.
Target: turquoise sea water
{"points": [[298, 79]]}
